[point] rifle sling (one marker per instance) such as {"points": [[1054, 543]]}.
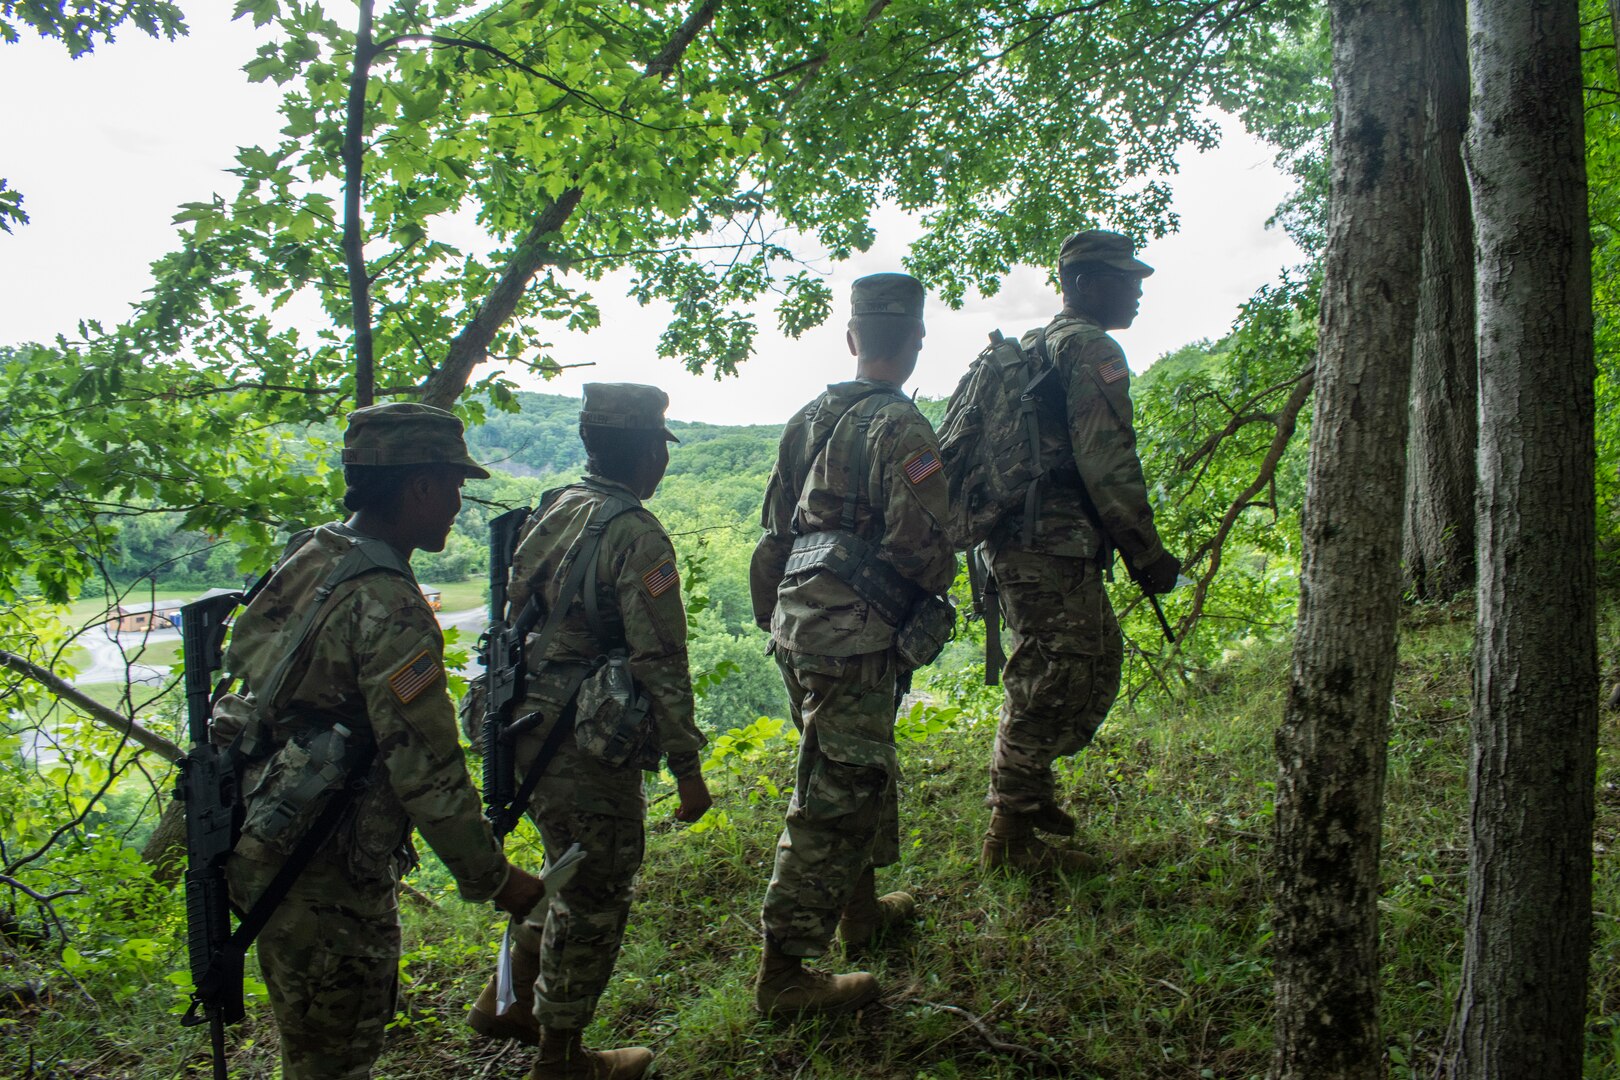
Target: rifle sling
{"points": [[548, 750]]}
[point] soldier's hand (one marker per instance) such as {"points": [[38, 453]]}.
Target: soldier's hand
{"points": [[1158, 576], [521, 893], [693, 792]]}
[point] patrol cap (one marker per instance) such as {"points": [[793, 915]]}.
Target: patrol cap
{"points": [[405, 433], [886, 294], [1103, 248], [631, 406]]}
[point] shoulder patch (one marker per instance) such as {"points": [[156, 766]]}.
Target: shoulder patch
{"points": [[660, 579], [922, 466], [421, 672], [1113, 371]]}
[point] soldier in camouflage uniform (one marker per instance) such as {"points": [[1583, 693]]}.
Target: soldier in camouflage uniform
{"points": [[371, 666], [858, 459], [1063, 670], [580, 798]]}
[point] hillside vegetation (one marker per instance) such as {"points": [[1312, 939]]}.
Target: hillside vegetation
{"points": [[1157, 968]]}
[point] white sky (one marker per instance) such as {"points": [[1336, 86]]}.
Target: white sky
{"points": [[104, 148]]}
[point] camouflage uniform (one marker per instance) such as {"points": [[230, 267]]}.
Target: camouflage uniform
{"points": [[374, 663], [579, 798], [1063, 669], [835, 651]]}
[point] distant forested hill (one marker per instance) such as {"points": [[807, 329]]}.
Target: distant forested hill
{"points": [[543, 440]]}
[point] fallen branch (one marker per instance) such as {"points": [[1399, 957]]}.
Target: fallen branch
{"points": [[91, 707], [999, 1045]]}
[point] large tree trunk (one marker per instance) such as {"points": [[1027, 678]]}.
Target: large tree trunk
{"points": [[1438, 548], [1332, 741], [1523, 998]]}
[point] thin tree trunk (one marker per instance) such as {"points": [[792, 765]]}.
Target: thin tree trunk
{"points": [[1523, 998], [1438, 550], [1331, 744], [354, 240]]}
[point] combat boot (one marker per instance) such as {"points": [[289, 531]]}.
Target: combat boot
{"points": [[1011, 843], [1049, 817], [786, 988], [867, 914], [518, 1021], [564, 1057]]}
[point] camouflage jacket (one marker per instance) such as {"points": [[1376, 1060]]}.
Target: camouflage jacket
{"points": [[1097, 404], [373, 661], [639, 600], [901, 508]]}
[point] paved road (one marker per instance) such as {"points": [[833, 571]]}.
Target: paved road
{"points": [[110, 657]]}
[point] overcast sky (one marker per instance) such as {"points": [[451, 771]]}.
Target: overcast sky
{"points": [[105, 147]]}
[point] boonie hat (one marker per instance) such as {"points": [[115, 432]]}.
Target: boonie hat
{"points": [[886, 294], [630, 406], [405, 433], [1103, 248]]}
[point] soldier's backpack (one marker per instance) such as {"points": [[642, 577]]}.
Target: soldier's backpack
{"points": [[990, 440]]}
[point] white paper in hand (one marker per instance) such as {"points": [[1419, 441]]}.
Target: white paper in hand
{"points": [[505, 995]]}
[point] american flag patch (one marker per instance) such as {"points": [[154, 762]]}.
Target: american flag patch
{"points": [[409, 681], [1113, 371], [923, 466], [660, 579]]}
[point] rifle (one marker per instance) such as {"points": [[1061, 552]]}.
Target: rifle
{"points": [[208, 787], [987, 605], [501, 651]]}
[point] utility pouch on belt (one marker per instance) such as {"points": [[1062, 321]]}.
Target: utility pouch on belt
{"points": [[297, 782], [854, 562], [929, 625], [610, 720]]}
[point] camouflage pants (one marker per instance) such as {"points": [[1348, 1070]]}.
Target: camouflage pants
{"points": [[330, 957], [844, 817], [1062, 672], [601, 808]]}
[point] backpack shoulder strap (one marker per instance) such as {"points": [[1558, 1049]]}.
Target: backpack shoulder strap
{"points": [[365, 555], [821, 443], [581, 561], [863, 420]]}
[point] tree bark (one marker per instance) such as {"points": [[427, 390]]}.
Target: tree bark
{"points": [[1331, 744], [354, 240], [1533, 766], [1438, 549]]}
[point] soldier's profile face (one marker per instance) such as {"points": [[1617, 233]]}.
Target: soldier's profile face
{"points": [[440, 504], [657, 465], [1112, 297]]}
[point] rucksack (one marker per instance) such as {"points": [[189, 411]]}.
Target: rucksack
{"points": [[990, 439]]}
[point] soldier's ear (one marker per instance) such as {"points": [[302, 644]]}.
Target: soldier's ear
{"points": [[849, 339]]}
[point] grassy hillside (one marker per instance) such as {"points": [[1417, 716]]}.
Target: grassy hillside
{"points": [[1157, 968]]}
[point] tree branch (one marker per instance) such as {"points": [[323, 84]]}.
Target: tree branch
{"points": [[1287, 419], [470, 347], [91, 707], [698, 18]]}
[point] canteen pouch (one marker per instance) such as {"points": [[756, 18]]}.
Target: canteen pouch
{"points": [[929, 624], [294, 785], [611, 721]]}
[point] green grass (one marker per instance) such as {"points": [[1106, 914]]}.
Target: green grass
{"points": [[1156, 969], [461, 595]]}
